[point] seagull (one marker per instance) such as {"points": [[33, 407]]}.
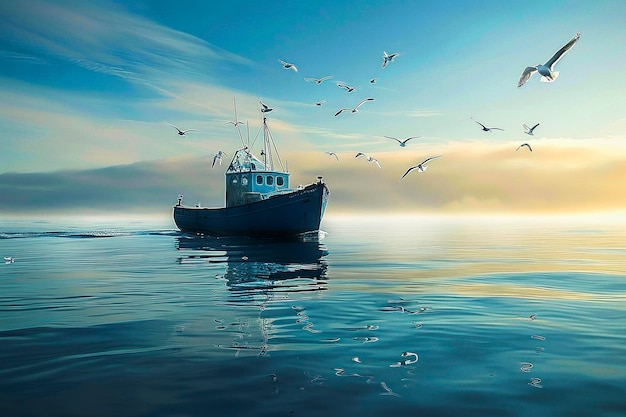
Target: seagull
{"points": [[525, 144], [402, 142], [333, 154], [530, 130], [8, 260], [421, 167], [485, 128], [318, 80], [218, 157], [265, 108], [234, 123], [182, 132], [320, 103], [369, 158], [373, 80], [287, 65], [387, 58], [546, 70], [348, 88], [355, 109]]}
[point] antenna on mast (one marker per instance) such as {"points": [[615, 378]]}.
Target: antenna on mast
{"points": [[269, 146]]}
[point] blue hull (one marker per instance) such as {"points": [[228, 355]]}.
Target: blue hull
{"points": [[288, 214]]}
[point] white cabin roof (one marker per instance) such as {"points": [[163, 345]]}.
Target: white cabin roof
{"points": [[245, 161]]}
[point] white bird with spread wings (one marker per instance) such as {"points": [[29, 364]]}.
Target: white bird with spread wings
{"points": [[355, 109], [332, 154], [368, 158], [387, 58], [547, 70], [421, 167], [180, 131], [288, 65], [402, 143], [530, 130], [318, 80], [218, 157]]}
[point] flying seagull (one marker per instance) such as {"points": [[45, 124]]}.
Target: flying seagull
{"points": [[348, 88], [287, 65], [373, 80], [387, 58], [234, 123], [369, 158], [530, 130], [333, 154], [182, 132], [525, 144], [218, 157], [318, 80], [546, 70], [402, 142], [265, 108], [421, 167], [485, 128], [320, 103], [355, 109]]}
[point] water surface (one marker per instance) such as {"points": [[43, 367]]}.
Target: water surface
{"points": [[433, 316]]}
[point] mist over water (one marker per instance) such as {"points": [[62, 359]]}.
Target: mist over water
{"points": [[377, 316]]}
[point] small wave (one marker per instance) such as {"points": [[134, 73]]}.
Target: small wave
{"points": [[86, 234]]}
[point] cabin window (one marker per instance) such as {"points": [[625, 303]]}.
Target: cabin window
{"points": [[259, 179], [269, 180], [235, 180], [244, 181], [280, 181]]}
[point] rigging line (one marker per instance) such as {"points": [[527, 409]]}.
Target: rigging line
{"points": [[256, 137], [248, 129], [272, 143]]}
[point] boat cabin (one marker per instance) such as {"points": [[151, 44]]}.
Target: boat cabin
{"points": [[248, 179]]}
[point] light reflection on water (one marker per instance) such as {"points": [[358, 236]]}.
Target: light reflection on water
{"points": [[381, 316]]}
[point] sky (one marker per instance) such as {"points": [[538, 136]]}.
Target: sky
{"points": [[89, 90]]}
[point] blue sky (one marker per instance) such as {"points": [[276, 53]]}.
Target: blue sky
{"points": [[88, 85]]}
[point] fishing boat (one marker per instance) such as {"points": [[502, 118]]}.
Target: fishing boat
{"points": [[259, 199]]}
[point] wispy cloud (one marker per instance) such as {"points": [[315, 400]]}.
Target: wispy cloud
{"points": [[75, 129], [103, 37], [21, 57], [46, 131], [422, 113]]}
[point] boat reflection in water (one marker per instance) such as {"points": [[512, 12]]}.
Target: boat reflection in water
{"points": [[259, 263], [266, 281]]}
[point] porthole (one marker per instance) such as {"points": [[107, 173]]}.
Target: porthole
{"points": [[244, 181]]}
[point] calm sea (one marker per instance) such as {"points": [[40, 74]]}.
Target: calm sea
{"points": [[403, 316]]}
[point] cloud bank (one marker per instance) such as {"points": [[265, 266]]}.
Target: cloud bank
{"points": [[468, 178]]}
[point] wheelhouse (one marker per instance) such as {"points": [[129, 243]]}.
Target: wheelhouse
{"points": [[248, 179]]}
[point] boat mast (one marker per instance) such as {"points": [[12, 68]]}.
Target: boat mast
{"points": [[269, 148]]}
